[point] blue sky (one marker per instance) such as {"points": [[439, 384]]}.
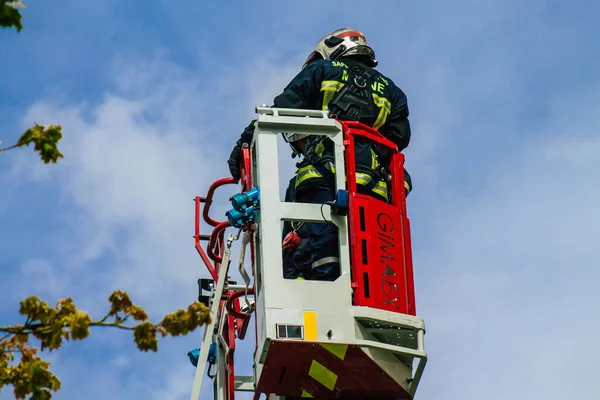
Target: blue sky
{"points": [[152, 95]]}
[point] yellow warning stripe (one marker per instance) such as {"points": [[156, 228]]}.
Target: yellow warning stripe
{"points": [[323, 375], [338, 350]]}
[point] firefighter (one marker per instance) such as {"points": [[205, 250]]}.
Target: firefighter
{"points": [[338, 77]]}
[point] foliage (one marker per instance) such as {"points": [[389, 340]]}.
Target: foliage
{"points": [[30, 375], [45, 140], [10, 16]]}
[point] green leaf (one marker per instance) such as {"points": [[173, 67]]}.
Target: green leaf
{"points": [[45, 139], [10, 16]]}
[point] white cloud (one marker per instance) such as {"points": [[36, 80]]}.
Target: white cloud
{"points": [[43, 279]]}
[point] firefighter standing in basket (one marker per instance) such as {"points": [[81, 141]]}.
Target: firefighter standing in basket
{"points": [[338, 76]]}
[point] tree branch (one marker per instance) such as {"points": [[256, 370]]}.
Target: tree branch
{"points": [[113, 324], [9, 147], [31, 328], [52, 326]]}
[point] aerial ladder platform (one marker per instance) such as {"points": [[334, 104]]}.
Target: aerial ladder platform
{"points": [[357, 337]]}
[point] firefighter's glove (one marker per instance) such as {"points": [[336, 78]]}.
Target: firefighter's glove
{"points": [[235, 157]]}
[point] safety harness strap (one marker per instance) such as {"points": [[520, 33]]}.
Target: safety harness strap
{"points": [[355, 101]]}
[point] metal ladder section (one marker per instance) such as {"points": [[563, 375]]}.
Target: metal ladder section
{"points": [[214, 332], [207, 339]]}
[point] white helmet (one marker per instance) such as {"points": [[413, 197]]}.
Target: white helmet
{"points": [[340, 43], [292, 138]]}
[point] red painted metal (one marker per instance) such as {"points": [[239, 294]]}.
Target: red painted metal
{"points": [[287, 366], [198, 245], [215, 235], [378, 264], [291, 241], [209, 196], [234, 308], [410, 282], [242, 324], [382, 275], [216, 241], [246, 169], [229, 360], [230, 303]]}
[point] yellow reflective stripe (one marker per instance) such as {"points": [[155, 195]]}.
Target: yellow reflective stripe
{"points": [[381, 189], [327, 97], [307, 395], [331, 85], [363, 179], [319, 149], [305, 173], [323, 375], [329, 88], [385, 109], [407, 187], [382, 102], [338, 350], [381, 117], [310, 172], [374, 160]]}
